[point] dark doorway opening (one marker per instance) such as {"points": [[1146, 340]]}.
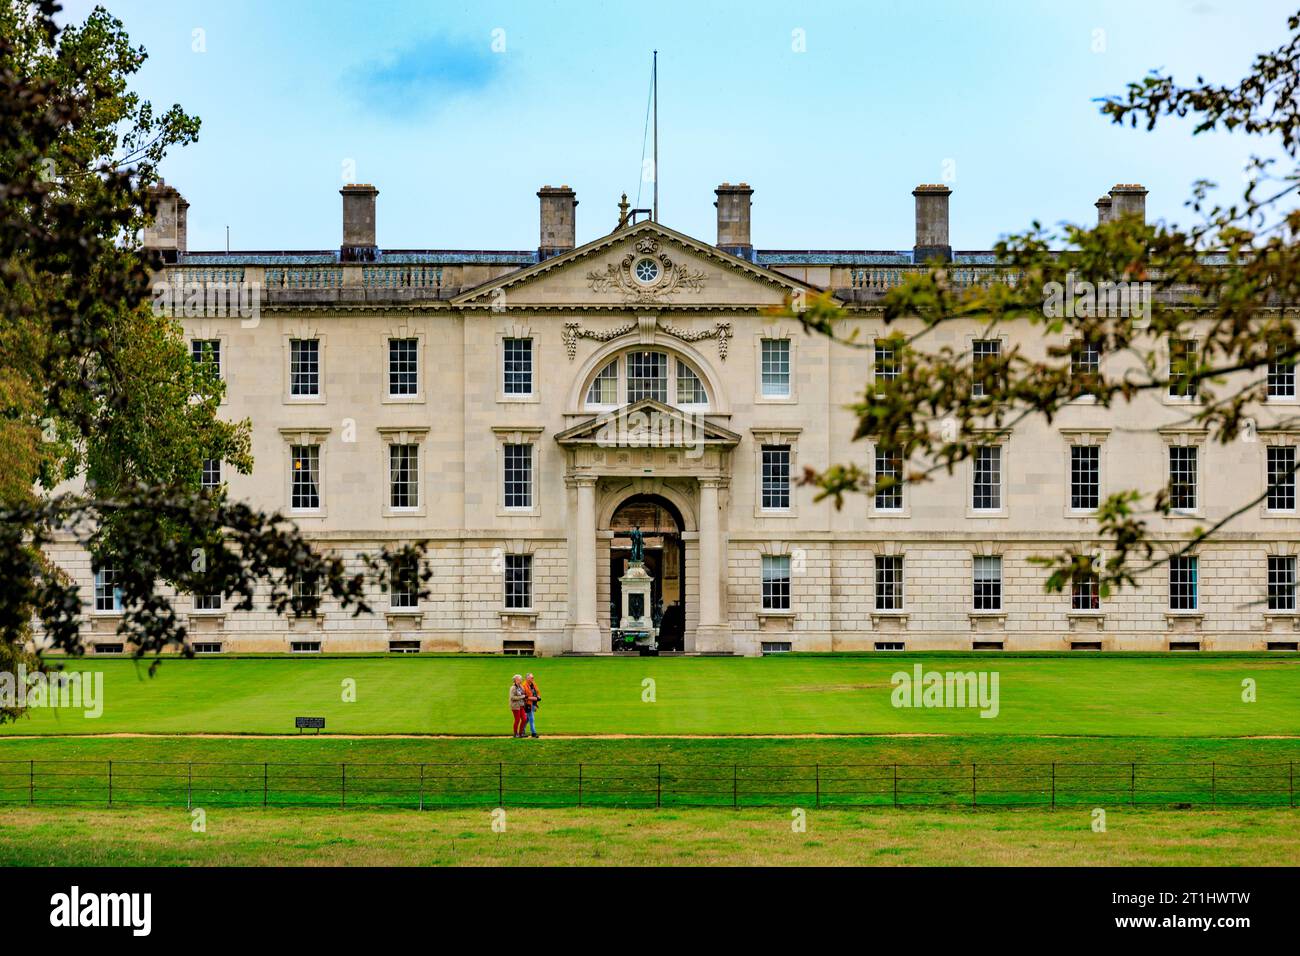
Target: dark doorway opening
{"points": [[665, 562]]}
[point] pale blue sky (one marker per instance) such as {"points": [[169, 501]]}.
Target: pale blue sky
{"points": [[458, 138]]}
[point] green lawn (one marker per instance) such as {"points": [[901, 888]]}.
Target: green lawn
{"points": [[1079, 695], [82, 837], [650, 772]]}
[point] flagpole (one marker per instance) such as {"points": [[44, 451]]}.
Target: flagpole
{"points": [[654, 83]]}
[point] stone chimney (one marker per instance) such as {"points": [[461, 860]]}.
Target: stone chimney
{"points": [[733, 206], [1128, 199], [167, 233], [559, 220], [1103, 209], [932, 223], [358, 223]]}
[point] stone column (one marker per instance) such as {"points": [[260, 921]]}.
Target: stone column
{"points": [[713, 633], [586, 630]]}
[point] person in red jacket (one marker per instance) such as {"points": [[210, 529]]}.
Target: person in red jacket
{"points": [[518, 700]]}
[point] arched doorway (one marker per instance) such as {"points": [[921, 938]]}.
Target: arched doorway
{"points": [[665, 560]]}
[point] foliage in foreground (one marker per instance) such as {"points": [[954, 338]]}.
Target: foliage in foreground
{"points": [[1235, 274], [104, 419]]}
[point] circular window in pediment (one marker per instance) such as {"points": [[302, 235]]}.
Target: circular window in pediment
{"points": [[646, 271]]}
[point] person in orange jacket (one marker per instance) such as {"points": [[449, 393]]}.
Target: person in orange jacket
{"points": [[532, 700]]}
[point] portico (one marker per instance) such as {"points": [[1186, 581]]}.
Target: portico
{"points": [[648, 449]]}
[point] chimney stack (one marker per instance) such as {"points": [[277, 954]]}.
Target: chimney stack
{"points": [[358, 223], [1128, 199], [1103, 209], [167, 232], [733, 206], [559, 220], [932, 223]]}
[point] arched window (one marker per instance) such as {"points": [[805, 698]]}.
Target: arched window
{"points": [[604, 387], [690, 390], [646, 373]]}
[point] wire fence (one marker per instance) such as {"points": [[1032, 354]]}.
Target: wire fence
{"points": [[424, 786]]}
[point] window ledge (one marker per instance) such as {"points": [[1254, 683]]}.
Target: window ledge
{"points": [[1085, 621], [889, 620], [404, 512], [1276, 622], [104, 621], [773, 612], [987, 622], [404, 616], [517, 612], [1183, 622]]}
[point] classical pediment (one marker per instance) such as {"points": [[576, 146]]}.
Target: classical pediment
{"points": [[648, 424], [645, 266]]}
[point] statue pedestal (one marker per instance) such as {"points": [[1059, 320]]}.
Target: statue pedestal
{"points": [[637, 622]]}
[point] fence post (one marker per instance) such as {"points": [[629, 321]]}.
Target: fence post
{"points": [[817, 769], [972, 784], [31, 782], [895, 785], [343, 785], [1053, 784], [659, 787], [501, 784], [421, 786], [265, 777], [735, 786], [579, 784], [110, 783], [1132, 784], [189, 785]]}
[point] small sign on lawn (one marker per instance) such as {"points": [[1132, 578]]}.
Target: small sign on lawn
{"points": [[309, 722]]}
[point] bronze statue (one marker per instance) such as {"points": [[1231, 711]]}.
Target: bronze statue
{"points": [[638, 548]]}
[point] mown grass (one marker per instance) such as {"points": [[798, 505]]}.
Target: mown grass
{"points": [[1118, 695], [646, 773], [45, 836]]}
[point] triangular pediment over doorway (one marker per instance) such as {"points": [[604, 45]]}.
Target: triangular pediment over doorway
{"points": [[645, 266], [648, 424]]}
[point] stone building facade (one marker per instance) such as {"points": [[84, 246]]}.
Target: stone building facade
{"points": [[522, 410]]}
